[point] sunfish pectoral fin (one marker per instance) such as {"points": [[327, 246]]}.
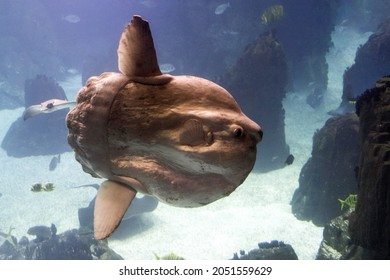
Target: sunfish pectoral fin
{"points": [[48, 106], [112, 201], [192, 133]]}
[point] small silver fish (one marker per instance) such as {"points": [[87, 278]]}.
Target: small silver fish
{"points": [[54, 162], [149, 3], [73, 71], [221, 8], [167, 68], [71, 18], [230, 32], [36, 187], [290, 159]]}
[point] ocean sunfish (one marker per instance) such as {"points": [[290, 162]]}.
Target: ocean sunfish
{"points": [[181, 139]]}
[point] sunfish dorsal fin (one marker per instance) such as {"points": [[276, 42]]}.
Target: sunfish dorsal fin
{"points": [[112, 201], [136, 54]]}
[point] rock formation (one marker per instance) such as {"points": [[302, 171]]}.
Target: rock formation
{"points": [[336, 243], [330, 173], [44, 134], [371, 61], [274, 250], [370, 226], [258, 82], [364, 232], [69, 245]]}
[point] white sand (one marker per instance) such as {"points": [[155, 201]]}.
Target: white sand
{"points": [[258, 211]]}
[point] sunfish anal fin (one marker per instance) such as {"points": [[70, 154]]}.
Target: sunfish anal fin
{"points": [[112, 201], [137, 57]]}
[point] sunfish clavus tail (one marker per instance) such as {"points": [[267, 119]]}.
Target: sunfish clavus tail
{"points": [[137, 59]]}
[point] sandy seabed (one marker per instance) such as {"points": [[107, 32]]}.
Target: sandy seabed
{"points": [[258, 211]]}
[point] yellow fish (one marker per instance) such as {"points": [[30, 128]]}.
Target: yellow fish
{"points": [[37, 187], [272, 14]]}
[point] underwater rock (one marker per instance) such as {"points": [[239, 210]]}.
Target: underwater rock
{"points": [[69, 245], [8, 251], [8, 243], [371, 61], [44, 134], [336, 240], [330, 172], [370, 226], [337, 243], [40, 232], [274, 250], [23, 241], [40, 89], [258, 82], [169, 257]]}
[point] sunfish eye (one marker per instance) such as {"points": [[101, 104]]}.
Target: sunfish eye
{"points": [[238, 132]]}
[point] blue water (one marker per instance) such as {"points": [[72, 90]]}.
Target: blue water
{"points": [[72, 40]]}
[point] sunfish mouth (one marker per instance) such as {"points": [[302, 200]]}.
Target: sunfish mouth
{"points": [[256, 133]]}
